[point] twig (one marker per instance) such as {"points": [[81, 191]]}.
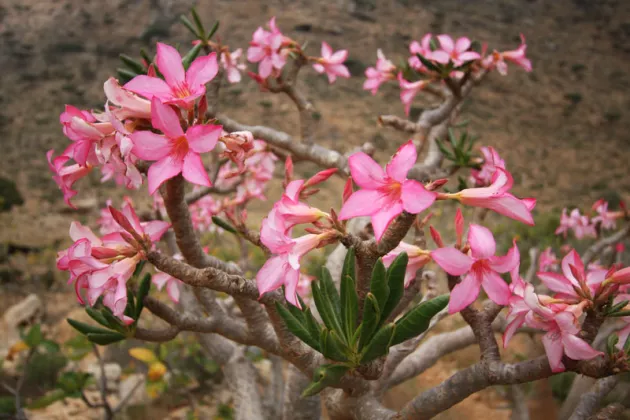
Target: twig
{"points": [[109, 414]]}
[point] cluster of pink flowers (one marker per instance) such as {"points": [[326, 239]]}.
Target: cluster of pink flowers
{"points": [[575, 289], [111, 141], [491, 161], [271, 50], [283, 268], [583, 226], [447, 57], [103, 265]]}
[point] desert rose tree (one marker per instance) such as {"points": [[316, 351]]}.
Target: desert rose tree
{"points": [[361, 327]]}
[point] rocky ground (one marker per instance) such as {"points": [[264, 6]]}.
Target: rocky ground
{"points": [[562, 128]]}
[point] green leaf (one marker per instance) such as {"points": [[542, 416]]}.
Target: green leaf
{"points": [[214, 29], [379, 344], [417, 320], [297, 313], [191, 55], [96, 316], [620, 313], [612, 341], [349, 265], [378, 284], [86, 329], [133, 64], [296, 326], [324, 307], [619, 306], [332, 346], [50, 346], [145, 56], [349, 306], [105, 339], [428, 64], [371, 318], [626, 345], [130, 309], [324, 376], [34, 336], [143, 291], [312, 325], [223, 225], [329, 290], [113, 322], [139, 268], [198, 24], [49, 398], [188, 24], [396, 283], [125, 75]]}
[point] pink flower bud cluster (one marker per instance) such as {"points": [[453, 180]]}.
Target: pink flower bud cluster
{"points": [[271, 49], [435, 59], [103, 265], [276, 233], [584, 226]]}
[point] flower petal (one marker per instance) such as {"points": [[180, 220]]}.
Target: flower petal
{"points": [[402, 161], [556, 282], [415, 197], [365, 171], [578, 349], [383, 217], [553, 347], [464, 293], [203, 138], [194, 171], [462, 44], [162, 170], [149, 87], [481, 242], [452, 260], [362, 203], [165, 119], [446, 43], [202, 70], [169, 62], [150, 146], [507, 262], [496, 288]]}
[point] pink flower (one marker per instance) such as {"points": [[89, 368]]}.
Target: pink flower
{"points": [[515, 56], [332, 64], [547, 260], [408, 90], [517, 307], [496, 197], [385, 70], [284, 269], [85, 132], [232, 65], [161, 279], [275, 232], [265, 48], [580, 225], [457, 52], [179, 87], [561, 339], [175, 152], [422, 48], [606, 219], [573, 279], [103, 265], [66, 176], [385, 194], [418, 258], [481, 267], [128, 104], [491, 161], [624, 333]]}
